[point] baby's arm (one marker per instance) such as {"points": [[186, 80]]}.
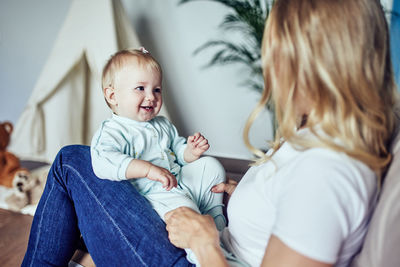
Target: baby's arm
{"points": [[110, 162], [197, 144], [186, 153], [140, 168]]}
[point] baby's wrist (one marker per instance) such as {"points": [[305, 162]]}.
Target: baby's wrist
{"points": [[194, 156], [188, 155], [149, 166]]}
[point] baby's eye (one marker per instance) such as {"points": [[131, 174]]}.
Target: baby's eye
{"points": [[140, 88], [157, 90]]}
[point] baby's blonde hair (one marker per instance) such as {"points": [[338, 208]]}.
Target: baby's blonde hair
{"points": [[118, 60], [334, 53]]}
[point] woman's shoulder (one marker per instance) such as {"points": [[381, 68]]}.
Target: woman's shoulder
{"points": [[325, 159], [327, 193], [332, 172], [319, 162]]}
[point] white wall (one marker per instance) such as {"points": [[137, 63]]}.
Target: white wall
{"points": [[207, 100]]}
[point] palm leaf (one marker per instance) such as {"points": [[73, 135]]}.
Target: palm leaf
{"points": [[246, 17], [240, 52], [253, 85]]}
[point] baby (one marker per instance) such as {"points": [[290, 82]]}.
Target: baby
{"points": [[138, 145]]}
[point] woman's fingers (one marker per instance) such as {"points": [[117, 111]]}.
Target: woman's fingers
{"points": [[228, 187], [178, 224], [188, 229], [219, 188]]}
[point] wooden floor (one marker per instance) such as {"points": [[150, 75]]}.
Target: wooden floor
{"points": [[14, 234]]}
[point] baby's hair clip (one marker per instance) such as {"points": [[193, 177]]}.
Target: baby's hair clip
{"points": [[143, 50]]}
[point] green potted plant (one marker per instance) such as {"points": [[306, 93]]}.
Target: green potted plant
{"points": [[246, 17]]}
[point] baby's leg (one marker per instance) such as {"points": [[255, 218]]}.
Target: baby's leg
{"points": [[164, 201], [198, 178]]}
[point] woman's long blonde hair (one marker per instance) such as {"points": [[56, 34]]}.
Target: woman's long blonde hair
{"points": [[335, 55]]}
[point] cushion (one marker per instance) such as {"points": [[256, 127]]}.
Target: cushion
{"points": [[382, 242]]}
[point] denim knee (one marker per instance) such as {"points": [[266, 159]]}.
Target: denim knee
{"points": [[79, 152]]}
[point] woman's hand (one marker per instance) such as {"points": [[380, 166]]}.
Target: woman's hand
{"points": [[227, 187], [188, 229]]}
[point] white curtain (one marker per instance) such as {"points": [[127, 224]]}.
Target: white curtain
{"points": [[67, 105]]}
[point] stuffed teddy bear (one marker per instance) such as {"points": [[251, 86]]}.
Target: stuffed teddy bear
{"points": [[27, 189], [9, 163]]}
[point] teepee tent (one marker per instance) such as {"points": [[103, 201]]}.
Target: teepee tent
{"points": [[66, 105]]}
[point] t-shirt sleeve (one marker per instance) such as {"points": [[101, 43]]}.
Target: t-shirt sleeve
{"points": [[317, 208], [108, 160]]}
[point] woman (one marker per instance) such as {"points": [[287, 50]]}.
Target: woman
{"points": [[307, 203], [327, 66]]}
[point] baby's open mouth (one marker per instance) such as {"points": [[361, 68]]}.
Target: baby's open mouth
{"points": [[147, 108]]}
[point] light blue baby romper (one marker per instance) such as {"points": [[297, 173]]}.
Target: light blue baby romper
{"points": [[120, 139]]}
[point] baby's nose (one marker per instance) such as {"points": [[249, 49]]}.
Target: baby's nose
{"points": [[150, 96]]}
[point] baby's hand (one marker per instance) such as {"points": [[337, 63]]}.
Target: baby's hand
{"points": [[197, 144], [163, 176]]}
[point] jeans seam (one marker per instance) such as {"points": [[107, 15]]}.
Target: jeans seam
{"points": [[106, 213], [40, 223]]}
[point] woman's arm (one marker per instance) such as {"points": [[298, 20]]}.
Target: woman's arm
{"points": [[278, 254], [211, 256], [188, 229]]}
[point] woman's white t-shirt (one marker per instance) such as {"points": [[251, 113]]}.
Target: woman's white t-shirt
{"points": [[317, 201]]}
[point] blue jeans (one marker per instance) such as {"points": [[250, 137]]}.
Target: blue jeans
{"points": [[118, 225]]}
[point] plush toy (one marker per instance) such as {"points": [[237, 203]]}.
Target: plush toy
{"points": [[9, 163], [27, 189]]}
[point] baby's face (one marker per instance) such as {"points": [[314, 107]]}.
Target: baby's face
{"points": [[137, 92]]}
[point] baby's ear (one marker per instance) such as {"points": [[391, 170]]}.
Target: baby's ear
{"points": [[109, 94]]}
